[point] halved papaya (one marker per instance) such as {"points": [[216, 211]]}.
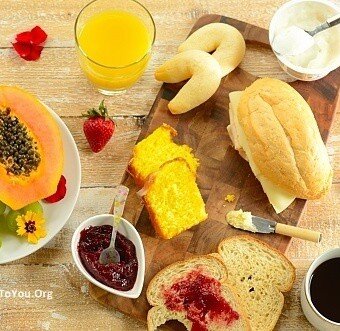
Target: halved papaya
{"points": [[31, 149]]}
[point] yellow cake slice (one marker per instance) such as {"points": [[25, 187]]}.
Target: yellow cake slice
{"points": [[173, 199], [158, 148]]}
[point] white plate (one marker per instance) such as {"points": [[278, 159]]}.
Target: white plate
{"points": [[129, 231], [56, 214]]}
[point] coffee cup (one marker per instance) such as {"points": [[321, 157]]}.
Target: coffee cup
{"points": [[316, 287]]}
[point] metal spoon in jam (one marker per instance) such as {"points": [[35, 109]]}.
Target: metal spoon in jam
{"points": [[110, 254]]}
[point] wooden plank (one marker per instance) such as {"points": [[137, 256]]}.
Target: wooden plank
{"points": [[114, 157], [107, 167], [64, 312], [66, 94], [60, 64], [58, 16], [57, 251], [52, 268], [60, 73], [221, 170], [66, 306], [71, 93], [321, 216]]}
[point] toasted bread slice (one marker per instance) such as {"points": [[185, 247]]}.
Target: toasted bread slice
{"points": [[156, 149], [259, 274], [173, 291], [173, 199]]}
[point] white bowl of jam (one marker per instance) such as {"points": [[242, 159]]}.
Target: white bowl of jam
{"points": [[125, 278], [320, 292]]}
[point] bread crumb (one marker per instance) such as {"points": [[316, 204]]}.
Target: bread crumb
{"points": [[58, 316], [84, 289], [44, 325], [229, 198]]}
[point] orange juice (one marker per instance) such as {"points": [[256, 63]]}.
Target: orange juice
{"points": [[114, 49]]}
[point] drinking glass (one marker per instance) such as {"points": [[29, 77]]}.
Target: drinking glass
{"points": [[112, 79]]}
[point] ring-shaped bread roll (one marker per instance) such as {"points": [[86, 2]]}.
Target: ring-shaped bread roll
{"points": [[204, 74], [224, 40]]}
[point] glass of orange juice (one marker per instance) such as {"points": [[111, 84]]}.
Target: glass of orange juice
{"points": [[114, 39]]}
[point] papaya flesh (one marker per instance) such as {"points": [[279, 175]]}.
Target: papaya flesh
{"points": [[31, 149]]}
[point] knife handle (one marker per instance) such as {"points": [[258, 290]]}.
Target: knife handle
{"points": [[293, 231]]}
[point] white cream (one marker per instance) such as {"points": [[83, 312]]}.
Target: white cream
{"points": [[292, 41], [307, 15], [241, 219], [278, 198]]}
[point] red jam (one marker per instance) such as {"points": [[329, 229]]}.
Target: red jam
{"points": [[200, 297], [120, 276]]}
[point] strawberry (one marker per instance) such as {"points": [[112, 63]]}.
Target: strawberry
{"points": [[98, 128]]}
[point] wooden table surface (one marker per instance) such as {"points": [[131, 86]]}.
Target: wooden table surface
{"points": [[58, 81]]}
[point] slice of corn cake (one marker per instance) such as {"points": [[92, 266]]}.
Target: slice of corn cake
{"points": [[158, 148], [173, 199]]}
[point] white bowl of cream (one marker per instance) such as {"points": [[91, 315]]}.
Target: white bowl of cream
{"points": [[324, 56]]}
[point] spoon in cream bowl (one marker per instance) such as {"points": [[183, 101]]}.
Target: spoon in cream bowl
{"points": [[295, 40]]}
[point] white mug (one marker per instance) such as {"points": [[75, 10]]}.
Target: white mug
{"points": [[314, 317]]}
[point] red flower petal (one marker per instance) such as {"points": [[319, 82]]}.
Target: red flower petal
{"points": [[22, 49], [61, 191], [27, 51], [62, 181], [24, 37], [38, 35], [27, 45], [34, 54], [56, 196]]}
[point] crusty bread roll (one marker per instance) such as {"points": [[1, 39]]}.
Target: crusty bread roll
{"points": [[204, 74], [225, 41], [259, 273], [208, 265], [283, 138]]}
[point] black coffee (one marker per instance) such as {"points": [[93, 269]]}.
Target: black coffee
{"points": [[325, 289]]}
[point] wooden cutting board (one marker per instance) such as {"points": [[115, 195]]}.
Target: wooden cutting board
{"points": [[222, 171]]}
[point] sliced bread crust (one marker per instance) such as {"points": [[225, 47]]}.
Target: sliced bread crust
{"points": [[211, 265], [259, 274], [217, 270]]}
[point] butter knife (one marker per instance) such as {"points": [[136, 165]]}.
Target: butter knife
{"points": [[263, 225]]}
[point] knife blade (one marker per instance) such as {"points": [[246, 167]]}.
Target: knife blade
{"points": [[263, 225], [248, 222]]}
